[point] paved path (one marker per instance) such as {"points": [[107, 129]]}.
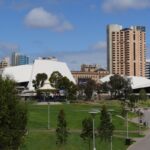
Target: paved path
{"points": [[143, 143]]}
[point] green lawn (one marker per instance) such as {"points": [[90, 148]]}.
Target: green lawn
{"points": [[39, 138], [46, 141]]}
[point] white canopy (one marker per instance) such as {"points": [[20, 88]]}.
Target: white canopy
{"points": [[47, 86]]}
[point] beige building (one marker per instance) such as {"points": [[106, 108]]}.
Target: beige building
{"points": [[89, 72], [126, 50], [4, 63]]}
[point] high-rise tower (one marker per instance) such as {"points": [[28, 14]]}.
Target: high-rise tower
{"points": [[126, 50], [18, 59]]}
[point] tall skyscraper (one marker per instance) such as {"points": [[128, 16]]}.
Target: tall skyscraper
{"points": [[126, 50], [18, 59], [14, 59]]}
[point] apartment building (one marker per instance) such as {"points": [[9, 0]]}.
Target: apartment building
{"points": [[126, 50]]}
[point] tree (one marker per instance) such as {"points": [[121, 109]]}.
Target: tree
{"points": [[123, 109], [105, 87], [142, 95], [63, 83], [87, 131], [105, 129], [72, 91], [55, 78], [61, 130], [89, 88], [13, 116], [81, 93], [119, 86], [132, 101], [39, 81]]}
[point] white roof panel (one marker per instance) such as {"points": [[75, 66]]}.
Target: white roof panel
{"points": [[20, 73], [48, 67], [136, 82], [27, 73]]}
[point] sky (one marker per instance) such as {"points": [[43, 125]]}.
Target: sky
{"points": [[74, 31]]}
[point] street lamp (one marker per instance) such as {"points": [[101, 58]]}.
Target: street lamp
{"points": [[140, 114], [127, 127], [93, 112], [48, 115]]}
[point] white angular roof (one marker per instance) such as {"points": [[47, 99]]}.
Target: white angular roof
{"points": [[136, 82], [27, 73], [20, 73]]}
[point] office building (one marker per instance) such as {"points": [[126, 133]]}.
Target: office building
{"points": [[126, 50], [19, 59], [14, 59], [23, 60]]}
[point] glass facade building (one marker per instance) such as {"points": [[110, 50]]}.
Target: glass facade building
{"points": [[19, 59]]}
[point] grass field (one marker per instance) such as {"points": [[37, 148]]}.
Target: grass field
{"points": [[39, 138]]}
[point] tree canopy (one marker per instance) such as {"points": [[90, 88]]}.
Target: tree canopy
{"points": [[55, 79], [63, 83], [142, 95], [39, 80], [13, 116], [118, 86], [89, 88]]}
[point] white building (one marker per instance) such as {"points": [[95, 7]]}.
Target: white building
{"points": [[25, 74], [136, 82]]}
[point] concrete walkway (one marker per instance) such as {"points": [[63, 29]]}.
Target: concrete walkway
{"points": [[142, 143]]}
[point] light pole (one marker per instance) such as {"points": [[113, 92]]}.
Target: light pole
{"points": [[127, 128], [139, 120], [93, 113], [48, 115]]}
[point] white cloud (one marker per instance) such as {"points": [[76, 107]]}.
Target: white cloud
{"points": [[40, 18], [113, 5]]}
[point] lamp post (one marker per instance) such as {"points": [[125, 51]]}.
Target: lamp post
{"points": [[127, 125], [139, 120], [127, 128], [93, 113], [48, 115]]}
